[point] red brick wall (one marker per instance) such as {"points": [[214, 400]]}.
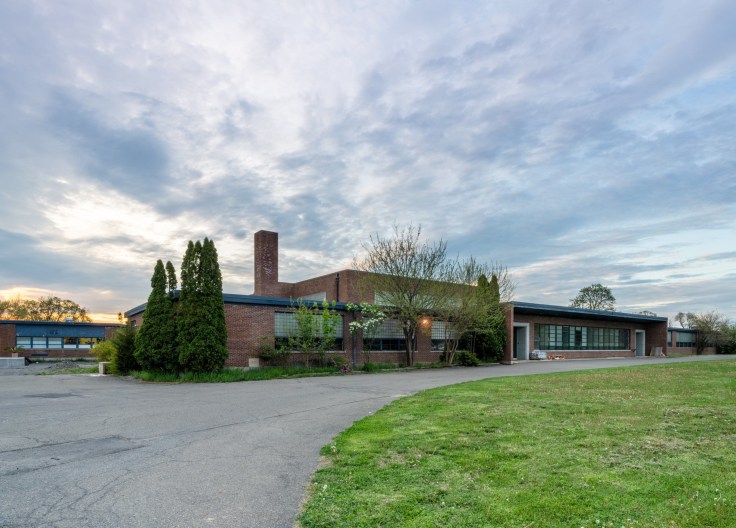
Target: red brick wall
{"points": [[7, 338], [350, 290], [247, 324], [325, 283]]}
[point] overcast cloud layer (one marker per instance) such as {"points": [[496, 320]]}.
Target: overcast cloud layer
{"points": [[573, 142]]}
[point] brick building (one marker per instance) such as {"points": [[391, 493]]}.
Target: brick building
{"points": [[265, 317]]}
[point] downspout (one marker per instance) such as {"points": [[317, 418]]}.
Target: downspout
{"points": [[337, 287]]}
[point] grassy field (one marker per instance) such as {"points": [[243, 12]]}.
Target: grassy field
{"points": [[650, 446]]}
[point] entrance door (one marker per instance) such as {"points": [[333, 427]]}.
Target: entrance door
{"points": [[521, 341], [641, 349]]}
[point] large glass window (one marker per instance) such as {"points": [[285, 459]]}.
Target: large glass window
{"points": [[686, 339], [389, 336], [438, 334], [563, 337], [41, 342], [285, 326]]}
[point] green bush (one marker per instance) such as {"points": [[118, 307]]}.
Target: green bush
{"points": [[124, 360], [337, 361], [467, 359], [104, 351], [728, 346], [271, 354]]}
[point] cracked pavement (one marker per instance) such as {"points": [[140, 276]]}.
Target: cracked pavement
{"points": [[89, 451]]}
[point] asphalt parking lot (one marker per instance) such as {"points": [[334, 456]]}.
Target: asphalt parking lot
{"points": [[91, 451]]}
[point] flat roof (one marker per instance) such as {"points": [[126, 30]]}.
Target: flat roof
{"points": [[582, 313], [258, 300], [519, 307], [62, 323]]}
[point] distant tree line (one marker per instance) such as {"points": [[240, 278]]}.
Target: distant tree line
{"points": [[42, 309]]}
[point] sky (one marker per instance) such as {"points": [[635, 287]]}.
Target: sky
{"points": [[573, 142]]}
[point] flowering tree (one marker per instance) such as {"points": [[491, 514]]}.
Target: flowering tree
{"points": [[371, 319]]}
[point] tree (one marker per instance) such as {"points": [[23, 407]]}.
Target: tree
{"points": [[487, 338], [413, 280], [713, 330], [43, 309], [124, 360], [468, 302], [155, 342], [170, 278], [370, 321], [686, 320], [316, 330], [728, 345], [405, 274], [202, 332], [595, 297]]}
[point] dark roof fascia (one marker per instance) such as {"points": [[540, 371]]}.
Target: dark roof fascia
{"points": [[262, 300], [679, 329], [63, 323], [135, 311], [582, 313], [257, 300]]}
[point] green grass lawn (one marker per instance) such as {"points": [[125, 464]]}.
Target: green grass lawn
{"points": [[650, 446]]}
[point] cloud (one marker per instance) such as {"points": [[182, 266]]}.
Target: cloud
{"points": [[573, 145]]}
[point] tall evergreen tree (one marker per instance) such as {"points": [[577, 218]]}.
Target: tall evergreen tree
{"points": [[201, 317], [124, 360], [489, 337], [494, 292], [170, 278], [155, 342]]}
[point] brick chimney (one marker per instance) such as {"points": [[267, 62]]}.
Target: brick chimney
{"points": [[266, 263]]}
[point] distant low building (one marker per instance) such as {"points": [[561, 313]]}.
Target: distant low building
{"points": [[50, 339], [684, 341]]}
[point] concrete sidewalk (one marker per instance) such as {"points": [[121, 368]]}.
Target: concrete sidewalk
{"points": [[80, 451]]}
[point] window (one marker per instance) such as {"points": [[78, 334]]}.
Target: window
{"points": [[562, 337], [42, 342], [438, 335], [686, 339], [389, 336], [285, 326]]}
